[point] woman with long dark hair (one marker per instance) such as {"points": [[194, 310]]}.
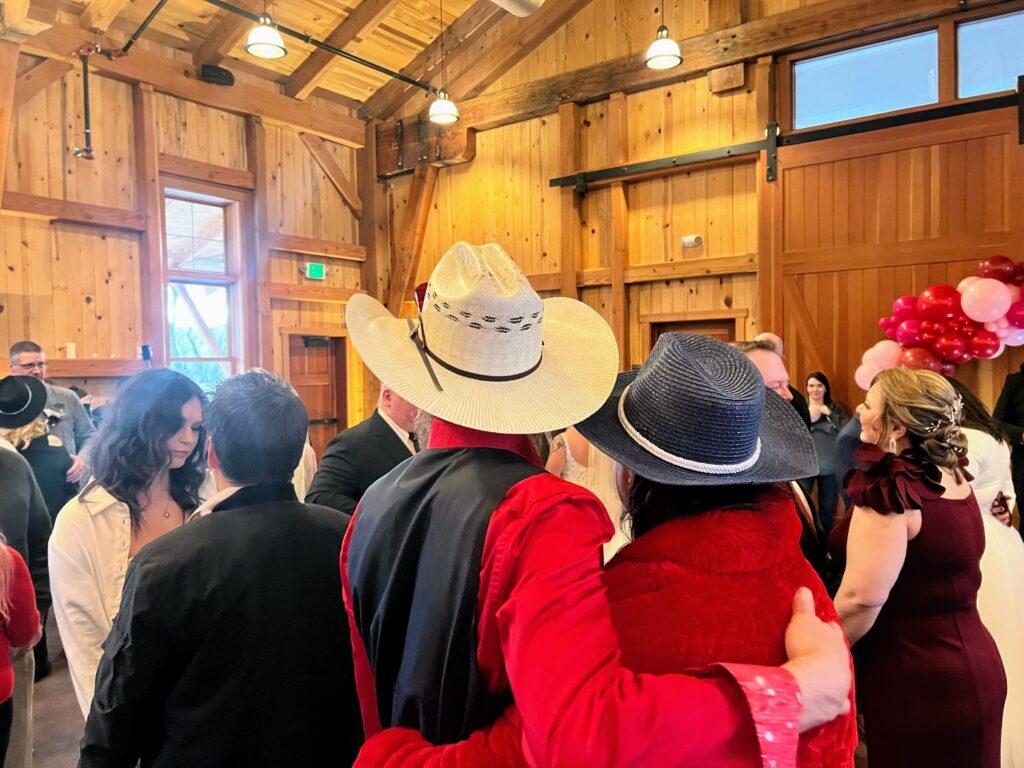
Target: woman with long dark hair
{"points": [[1000, 604], [827, 418], [148, 463]]}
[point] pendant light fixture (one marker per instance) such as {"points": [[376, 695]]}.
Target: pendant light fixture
{"points": [[664, 52], [443, 110], [264, 41]]}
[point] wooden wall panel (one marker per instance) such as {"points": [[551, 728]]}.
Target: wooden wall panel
{"points": [[65, 283], [301, 200], [186, 129], [869, 218], [47, 127]]}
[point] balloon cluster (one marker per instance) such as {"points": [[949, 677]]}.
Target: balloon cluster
{"points": [[943, 327]]}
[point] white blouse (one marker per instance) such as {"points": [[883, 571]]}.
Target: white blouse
{"points": [[88, 557], [989, 463], [88, 561]]}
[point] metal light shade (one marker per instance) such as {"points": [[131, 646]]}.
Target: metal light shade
{"points": [[664, 52], [265, 42], [443, 110]]}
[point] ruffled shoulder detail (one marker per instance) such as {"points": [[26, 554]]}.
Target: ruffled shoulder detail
{"points": [[890, 482]]}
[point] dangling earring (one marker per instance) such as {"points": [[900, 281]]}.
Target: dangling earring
{"points": [[892, 444]]}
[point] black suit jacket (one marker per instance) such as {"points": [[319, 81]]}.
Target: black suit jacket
{"points": [[1009, 412], [231, 647], [355, 460]]}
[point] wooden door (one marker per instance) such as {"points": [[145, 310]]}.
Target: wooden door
{"points": [[316, 368], [723, 329]]}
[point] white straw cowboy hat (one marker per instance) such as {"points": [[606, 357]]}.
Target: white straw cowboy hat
{"points": [[487, 352]]}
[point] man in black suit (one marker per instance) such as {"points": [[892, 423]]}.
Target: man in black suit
{"points": [[1009, 412], [796, 397], [231, 647], [358, 457]]}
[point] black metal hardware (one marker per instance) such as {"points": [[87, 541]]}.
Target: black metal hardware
{"points": [[85, 152], [771, 137], [1020, 109], [400, 135], [581, 181], [322, 422], [904, 118], [143, 26]]}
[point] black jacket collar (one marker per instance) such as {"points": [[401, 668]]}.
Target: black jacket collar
{"points": [[261, 493]]}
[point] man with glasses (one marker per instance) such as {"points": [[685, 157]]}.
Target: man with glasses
{"points": [[73, 425]]}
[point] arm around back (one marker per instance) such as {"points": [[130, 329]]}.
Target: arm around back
{"points": [[22, 626]]}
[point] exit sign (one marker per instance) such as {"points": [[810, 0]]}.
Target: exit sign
{"points": [[315, 271]]}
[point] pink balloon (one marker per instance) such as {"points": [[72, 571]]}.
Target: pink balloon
{"points": [[909, 332], [962, 285], [1014, 337], [1002, 322], [986, 300], [991, 327], [1002, 333], [887, 354], [868, 358], [1014, 293], [864, 375]]}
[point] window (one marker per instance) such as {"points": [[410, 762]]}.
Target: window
{"points": [[883, 77], [990, 54], [202, 302]]}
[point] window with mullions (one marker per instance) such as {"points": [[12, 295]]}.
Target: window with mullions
{"points": [[990, 54], [869, 80], [202, 266]]}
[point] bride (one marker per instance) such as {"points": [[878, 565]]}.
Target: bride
{"points": [[1002, 566]]}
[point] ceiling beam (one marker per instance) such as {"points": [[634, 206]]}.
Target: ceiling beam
{"points": [[38, 79], [465, 30], [516, 39], [100, 14], [360, 21], [20, 19], [318, 149], [227, 32], [166, 76], [827, 21], [8, 78], [409, 242]]}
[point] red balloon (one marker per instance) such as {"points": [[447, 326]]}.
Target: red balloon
{"points": [[948, 369], [1018, 275], [939, 302], [1015, 314], [890, 332], [965, 358], [933, 329], [998, 268], [904, 307], [983, 345], [950, 347], [919, 357], [908, 333], [886, 322]]}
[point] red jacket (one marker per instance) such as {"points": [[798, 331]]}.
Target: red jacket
{"points": [[545, 630], [23, 620]]}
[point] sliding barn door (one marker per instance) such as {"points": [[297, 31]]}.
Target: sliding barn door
{"points": [[860, 220]]}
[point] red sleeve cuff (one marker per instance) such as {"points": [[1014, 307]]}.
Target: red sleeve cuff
{"points": [[773, 696]]}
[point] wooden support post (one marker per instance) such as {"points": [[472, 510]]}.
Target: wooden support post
{"points": [[8, 77], [318, 149], [149, 197], [375, 237], [258, 267], [769, 266], [409, 242], [618, 151], [570, 220]]}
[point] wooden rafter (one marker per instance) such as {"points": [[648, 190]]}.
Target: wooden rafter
{"points": [[482, 64], [409, 242], [100, 14], [8, 77], [54, 209], [318, 149], [360, 21], [38, 79], [20, 19], [227, 32], [166, 76], [465, 30]]}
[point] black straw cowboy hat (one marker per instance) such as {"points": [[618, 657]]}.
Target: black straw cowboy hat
{"points": [[22, 399], [698, 413]]}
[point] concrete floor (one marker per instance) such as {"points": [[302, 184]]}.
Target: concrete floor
{"points": [[58, 721]]}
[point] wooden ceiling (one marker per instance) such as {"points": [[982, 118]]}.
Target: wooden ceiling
{"points": [[388, 32]]}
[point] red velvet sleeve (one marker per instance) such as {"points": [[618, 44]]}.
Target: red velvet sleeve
{"points": [[23, 624], [580, 706]]}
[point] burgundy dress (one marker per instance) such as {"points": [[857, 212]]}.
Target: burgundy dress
{"points": [[929, 675]]}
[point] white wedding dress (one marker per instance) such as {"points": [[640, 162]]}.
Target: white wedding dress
{"points": [[598, 477], [1000, 601]]}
